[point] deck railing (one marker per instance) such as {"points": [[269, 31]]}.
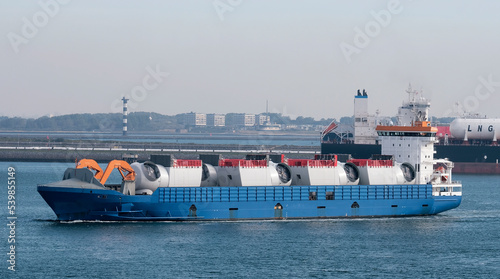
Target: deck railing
{"points": [[293, 193]]}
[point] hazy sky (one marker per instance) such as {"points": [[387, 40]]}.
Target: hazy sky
{"points": [[305, 57]]}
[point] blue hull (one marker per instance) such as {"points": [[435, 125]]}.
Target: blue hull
{"points": [[234, 203]]}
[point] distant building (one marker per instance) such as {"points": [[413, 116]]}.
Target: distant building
{"points": [[195, 119], [240, 119], [216, 120], [263, 119]]}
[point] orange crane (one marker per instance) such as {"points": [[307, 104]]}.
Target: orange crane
{"points": [[126, 171], [122, 166], [91, 165]]}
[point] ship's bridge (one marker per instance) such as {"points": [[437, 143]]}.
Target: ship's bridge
{"points": [[420, 129], [411, 144]]}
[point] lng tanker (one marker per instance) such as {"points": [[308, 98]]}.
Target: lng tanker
{"points": [[405, 181], [471, 143]]}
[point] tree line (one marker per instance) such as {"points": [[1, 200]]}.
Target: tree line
{"points": [[137, 121]]}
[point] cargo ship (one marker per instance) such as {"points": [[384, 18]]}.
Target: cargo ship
{"points": [[470, 142], [406, 181]]}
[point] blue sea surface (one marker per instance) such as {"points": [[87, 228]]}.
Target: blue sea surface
{"points": [[461, 243]]}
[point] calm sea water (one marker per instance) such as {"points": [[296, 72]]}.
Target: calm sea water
{"points": [[461, 243]]}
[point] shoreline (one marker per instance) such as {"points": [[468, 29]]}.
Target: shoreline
{"points": [[100, 155], [68, 147]]}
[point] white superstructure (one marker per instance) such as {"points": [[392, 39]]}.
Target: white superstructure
{"points": [[364, 123], [416, 109], [413, 145]]}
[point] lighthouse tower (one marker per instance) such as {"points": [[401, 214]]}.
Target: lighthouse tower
{"points": [[125, 113]]}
